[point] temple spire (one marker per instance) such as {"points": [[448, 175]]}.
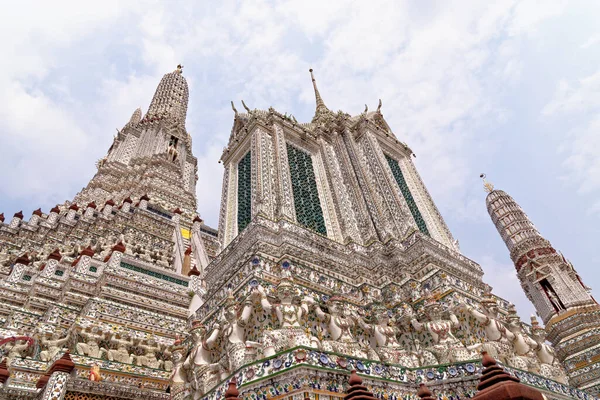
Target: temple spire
{"points": [[321, 107]]}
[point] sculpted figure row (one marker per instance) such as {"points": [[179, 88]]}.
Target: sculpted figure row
{"points": [[227, 343], [122, 347]]}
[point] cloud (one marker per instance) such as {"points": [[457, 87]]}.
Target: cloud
{"points": [[427, 64], [591, 41], [580, 102]]}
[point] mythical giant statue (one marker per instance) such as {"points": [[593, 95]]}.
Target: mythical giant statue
{"points": [[523, 345], [148, 359], [52, 346], [340, 322], [446, 347], [121, 353], [291, 317], [499, 339], [234, 330], [198, 364], [549, 365], [91, 347], [384, 338]]}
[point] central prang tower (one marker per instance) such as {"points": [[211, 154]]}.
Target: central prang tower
{"points": [[349, 179], [151, 156], [334, 257]]}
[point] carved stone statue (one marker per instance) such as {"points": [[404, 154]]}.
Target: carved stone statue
{"points": [[549, 365], [15, 349], [291, 317], [198, 364], [53, 345], [92, 336], [499, 338], [446, 347], [523, 345], [121, 353], [234, 331], [178, 375], [384, 339], [149, 359], [339, 322]]}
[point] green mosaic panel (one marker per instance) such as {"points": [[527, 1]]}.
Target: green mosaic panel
{"points": [[154, 274], [304, 186], [397, 172], [59, 272], [26, 277], [93, 269], [244, 213]]}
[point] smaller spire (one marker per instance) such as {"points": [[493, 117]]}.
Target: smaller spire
{"points": [[356, 390], [179, 69], [424, 393], [487, 186], [321, 107], [232, 391]]}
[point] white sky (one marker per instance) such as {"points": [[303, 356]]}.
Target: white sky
{"points": [[510, 88]]}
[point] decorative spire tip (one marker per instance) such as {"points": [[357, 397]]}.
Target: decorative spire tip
{"points": [[321, 107], [487, 186]]}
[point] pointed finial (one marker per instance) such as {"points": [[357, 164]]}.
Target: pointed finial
{"points": [[245, 106], [233, 108], [488, 187], [179, 68], [320, 103], [379, 106], [366, 109]]}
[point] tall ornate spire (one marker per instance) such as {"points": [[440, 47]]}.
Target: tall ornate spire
{"points": [[513, 225], [321, 107], [170, 99], [551, 283]]}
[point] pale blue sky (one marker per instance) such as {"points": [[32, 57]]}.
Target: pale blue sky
{"points": [[510, 88]]}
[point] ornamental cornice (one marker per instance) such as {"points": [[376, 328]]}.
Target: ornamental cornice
{"points": [[114, 390]]}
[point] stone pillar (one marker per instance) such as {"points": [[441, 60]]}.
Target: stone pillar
{"points": [[72, 212], [285, 201], [198, 244], [89, 210], [108, 207], [144, 202], [116, 255], [17, 218], [195, 280], [51, 263], [176, 215], [53, 216], [85, 258], [198, 287], [54, 382], [35, 218], [20, 265], [187, 261], [126, 206]]}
